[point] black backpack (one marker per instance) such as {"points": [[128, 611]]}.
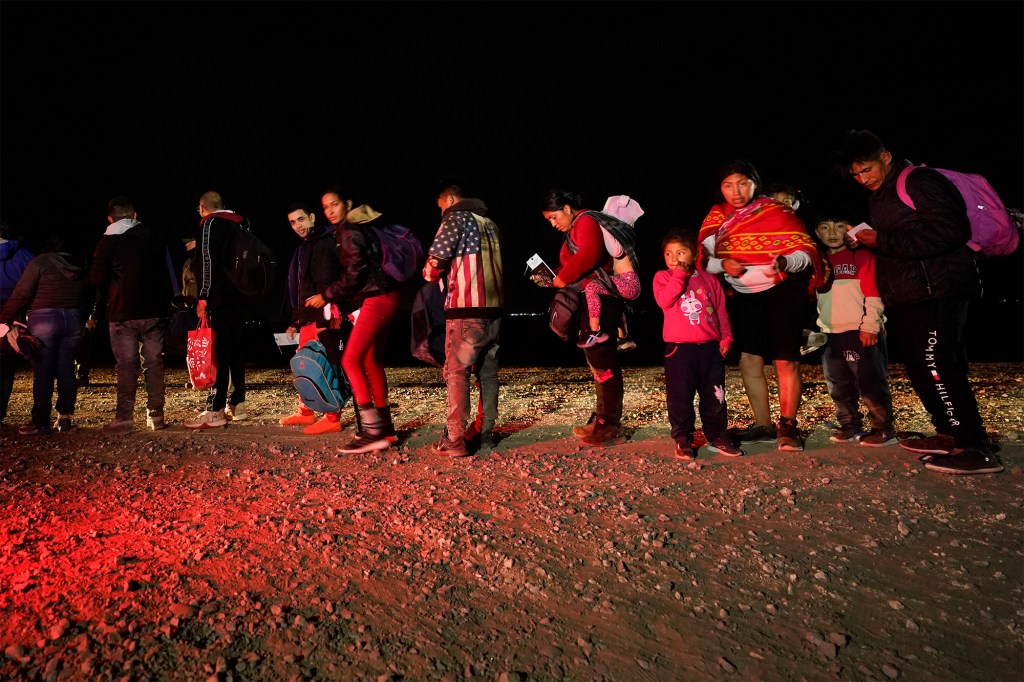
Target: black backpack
{"points": [[251, 264]]}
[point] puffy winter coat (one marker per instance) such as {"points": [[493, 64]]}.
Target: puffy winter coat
{"points": [[922, 254]]}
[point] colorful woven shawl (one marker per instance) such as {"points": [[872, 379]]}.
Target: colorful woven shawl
{"points": [[758, 232]]}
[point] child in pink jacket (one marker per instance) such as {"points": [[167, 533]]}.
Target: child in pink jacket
{"points": [[697, 337]]}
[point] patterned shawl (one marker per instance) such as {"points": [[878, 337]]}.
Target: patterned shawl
{"points": [[758, 232]]}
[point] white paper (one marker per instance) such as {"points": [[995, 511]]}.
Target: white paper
{"points": [[535, 266], [283, 340], [859, 227]]}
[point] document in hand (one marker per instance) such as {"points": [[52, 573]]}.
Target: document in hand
{"points": [[539, 271]]}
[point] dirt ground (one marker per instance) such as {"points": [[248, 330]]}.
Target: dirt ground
{"points": [[257, 553]]}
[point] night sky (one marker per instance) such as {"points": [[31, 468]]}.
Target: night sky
{"points": [[270, 103]]}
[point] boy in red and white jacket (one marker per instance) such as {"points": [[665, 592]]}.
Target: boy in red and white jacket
{"points": [[697, 337], [855, 361]]}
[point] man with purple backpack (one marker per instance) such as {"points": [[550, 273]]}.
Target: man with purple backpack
{"points": [[927, 277]]}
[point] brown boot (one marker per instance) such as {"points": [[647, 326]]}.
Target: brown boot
{"points": [[603, 434], [586, 429]]}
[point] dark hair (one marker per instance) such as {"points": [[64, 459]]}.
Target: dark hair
{"points": [[339, 192], [858, 146], [687, 238], [557, 199], [743, 167], [5, 231], [120, 207], [455, 185], [783, 188], [300, 206]]}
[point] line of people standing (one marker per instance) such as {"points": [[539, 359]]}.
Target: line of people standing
{"points": [[758, 247]]}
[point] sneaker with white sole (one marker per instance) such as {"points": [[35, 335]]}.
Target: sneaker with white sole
{"points": [[844, 434], [592, 340], [236, 413], [725, 447], [876, 438], [208, 419], [155, 420], [970, 461]]}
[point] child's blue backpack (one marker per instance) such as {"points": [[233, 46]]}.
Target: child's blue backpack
{"points": [[322, 387]]}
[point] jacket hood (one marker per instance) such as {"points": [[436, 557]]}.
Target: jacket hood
{"points": [[223, 214], [362, 214], [474, 205], [9, 248], [65, 265], [121, 226]]}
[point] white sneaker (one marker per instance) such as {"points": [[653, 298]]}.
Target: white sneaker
{"points": [[236, 412], [208, 419]]}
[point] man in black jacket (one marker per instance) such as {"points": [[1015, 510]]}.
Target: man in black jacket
{"points": [[221, 304], [927, 277], [131, 272], [314, 267]]}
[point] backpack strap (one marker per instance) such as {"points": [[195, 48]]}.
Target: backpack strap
{"points": [[901, 186], [598, 272]]}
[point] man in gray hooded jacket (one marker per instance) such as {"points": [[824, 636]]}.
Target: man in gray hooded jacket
{"points": [[134, 283]]}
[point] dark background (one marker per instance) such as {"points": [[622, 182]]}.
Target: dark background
{"points": [[270, 103]]}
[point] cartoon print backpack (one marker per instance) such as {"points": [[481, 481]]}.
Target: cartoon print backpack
{"points": [[320, 385], [993, 229], [401, 252]]}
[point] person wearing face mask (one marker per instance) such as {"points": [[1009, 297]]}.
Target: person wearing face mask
{"points": [[772, 267], [313, 267]]}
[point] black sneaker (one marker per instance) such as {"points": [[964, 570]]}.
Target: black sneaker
{"points": [[876, 438], [724, 447], [63, 423], [844, 434], [757, 433], [970, 461], [939, 444]]}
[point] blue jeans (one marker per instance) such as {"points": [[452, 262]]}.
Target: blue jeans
{"points": [[125, 340], [854, 372], [59, 329], [471, 347]]}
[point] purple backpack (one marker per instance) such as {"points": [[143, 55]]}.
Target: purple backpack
{"points": [[993, 229]]}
